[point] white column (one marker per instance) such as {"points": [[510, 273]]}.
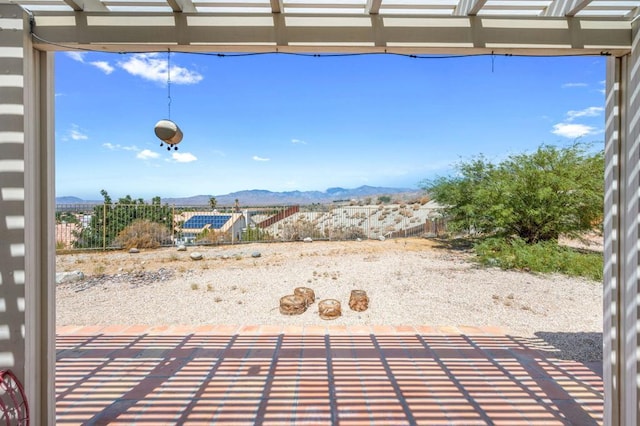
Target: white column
{"points": [[622, 238], [27, 252]]}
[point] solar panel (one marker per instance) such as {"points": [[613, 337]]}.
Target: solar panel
{"points": [[200, 221]]}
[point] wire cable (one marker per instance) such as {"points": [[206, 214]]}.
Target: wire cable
{"points": [[320, 55], [169, 81]]}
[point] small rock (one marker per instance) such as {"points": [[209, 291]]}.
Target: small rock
{"points": [[381, 238], [308, 240], [256, 254], [196, 255], [182, 247], [226, 257], [358, 239], [134, 250], [69, 277]]}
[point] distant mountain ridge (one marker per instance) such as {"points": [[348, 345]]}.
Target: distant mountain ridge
{"points": [[262, 197]]}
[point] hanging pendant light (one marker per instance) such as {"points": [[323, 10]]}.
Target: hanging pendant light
{"points": [[166, 130]]}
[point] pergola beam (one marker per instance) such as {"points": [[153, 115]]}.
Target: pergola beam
{"points": [[565, 8], [182, 6], [469, 7], [277, 6], [121, 32], [373, 7], [86, 5]]}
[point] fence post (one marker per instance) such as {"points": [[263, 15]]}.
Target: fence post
{"points": [[104, 226]]}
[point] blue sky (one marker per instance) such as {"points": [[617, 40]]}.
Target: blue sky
{"points": [[281, 122]]}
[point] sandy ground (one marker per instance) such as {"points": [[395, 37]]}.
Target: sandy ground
{"points": [[409, 282]]}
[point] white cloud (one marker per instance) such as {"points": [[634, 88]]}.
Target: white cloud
{"points": [[298, 142], [77, 56], [104, 66], [147, 154], [587, 112], [571, 130], [77, 134], [570, 85], [120, 147], [184, 157], [153, 67], [256, 158], [101, 65]]}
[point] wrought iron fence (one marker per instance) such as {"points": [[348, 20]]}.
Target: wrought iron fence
{"points": [[116, 226]]}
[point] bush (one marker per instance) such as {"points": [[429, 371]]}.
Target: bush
{"points": [[301, 229], [346, 233], [536, 196], [143, 233], [544, 257]]}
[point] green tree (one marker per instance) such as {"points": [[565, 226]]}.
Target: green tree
{"points": [[535, 196], [108, 220], [213, 202]]}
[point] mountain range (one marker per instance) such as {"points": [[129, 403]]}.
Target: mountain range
{"points": [[261, 197]]}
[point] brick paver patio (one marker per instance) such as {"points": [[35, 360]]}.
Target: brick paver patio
{"points": [[316, 375]]}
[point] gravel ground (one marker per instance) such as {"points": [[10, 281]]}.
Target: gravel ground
{"points": [[409, 282]]}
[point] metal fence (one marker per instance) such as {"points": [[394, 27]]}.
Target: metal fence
{"points": [[116, 226]]}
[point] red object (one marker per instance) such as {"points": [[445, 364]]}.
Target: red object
{"points": [[14, 409]]}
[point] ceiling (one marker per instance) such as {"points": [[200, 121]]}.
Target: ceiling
{"points": [[621, 9], [404, 26]]}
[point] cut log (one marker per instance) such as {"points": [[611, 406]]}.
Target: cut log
{"points": [[329, 309], [307, 294], [359, 301], [292, 305]]}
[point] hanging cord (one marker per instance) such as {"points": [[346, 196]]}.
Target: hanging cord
{"points": [[169, 80]]}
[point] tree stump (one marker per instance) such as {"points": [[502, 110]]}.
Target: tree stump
{"points": [[359, 301], [307, 294], [329, 309], [292, 305]]}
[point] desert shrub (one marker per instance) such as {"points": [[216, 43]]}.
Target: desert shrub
{"points": [[347, 233], [210, 236], [301, 229], [544, 257], [143, 233], [537, 196]]}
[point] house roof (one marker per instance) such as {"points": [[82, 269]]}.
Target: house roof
{"points": [[209, 221]]}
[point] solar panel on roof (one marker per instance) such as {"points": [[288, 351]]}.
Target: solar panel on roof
{"points": [[200, 221]]}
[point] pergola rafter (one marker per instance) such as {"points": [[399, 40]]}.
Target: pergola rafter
{"points": [[121, 32]]}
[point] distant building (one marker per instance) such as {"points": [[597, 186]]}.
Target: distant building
{"points": [[226, 226]]}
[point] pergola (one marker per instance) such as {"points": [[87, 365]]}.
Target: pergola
{"points": [[31, 30]]}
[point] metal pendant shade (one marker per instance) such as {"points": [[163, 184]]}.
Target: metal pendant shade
{"points": [[168, 132]]}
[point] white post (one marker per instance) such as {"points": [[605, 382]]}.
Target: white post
{"points": [[27, 249], [622, 238]]}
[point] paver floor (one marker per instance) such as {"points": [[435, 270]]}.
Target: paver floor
{"points": [[315, 375]]}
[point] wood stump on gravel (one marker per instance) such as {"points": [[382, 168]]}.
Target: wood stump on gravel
{"points": [[329, 309], [307, 294], [292, 305], [359, 301]]}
